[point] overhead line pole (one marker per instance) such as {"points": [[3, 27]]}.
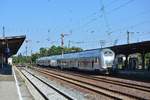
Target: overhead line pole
{"points": [[128, 37], [26, 47], [105, 17], [62, 44], [3, 31], [69, 42]]}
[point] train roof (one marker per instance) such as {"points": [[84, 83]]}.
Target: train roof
{"points": [[81, 54]]}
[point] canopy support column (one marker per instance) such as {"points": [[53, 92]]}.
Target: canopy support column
{"points": [[126, 62], [143, 60]]}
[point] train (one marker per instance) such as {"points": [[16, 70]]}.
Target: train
{"points": [[100, 60]]}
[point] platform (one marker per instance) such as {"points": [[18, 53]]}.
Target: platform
{"points": [[12, 86], [8, 90]]}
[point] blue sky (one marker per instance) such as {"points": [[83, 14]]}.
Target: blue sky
{"points": [[86, 21]]}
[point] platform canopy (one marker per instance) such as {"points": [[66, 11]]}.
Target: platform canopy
{"points": [[139, 47], [13, 43]]}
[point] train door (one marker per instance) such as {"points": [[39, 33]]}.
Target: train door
{"points": [[96, 63], [85, 64]]}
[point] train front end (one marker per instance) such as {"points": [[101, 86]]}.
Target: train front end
{"points": [[108, 57]]}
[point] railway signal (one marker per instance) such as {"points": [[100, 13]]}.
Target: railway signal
{"points": [[62, 41]]}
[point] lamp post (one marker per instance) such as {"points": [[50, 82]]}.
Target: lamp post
{"points": [[6, 50], [3, 44]]}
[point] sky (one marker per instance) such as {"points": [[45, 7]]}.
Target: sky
{"points": [[86, 23]]}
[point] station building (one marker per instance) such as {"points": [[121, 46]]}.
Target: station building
{"points": [[132, 56], [9, 46]]}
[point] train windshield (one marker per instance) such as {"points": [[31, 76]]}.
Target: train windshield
{"points": [[108, 53]]}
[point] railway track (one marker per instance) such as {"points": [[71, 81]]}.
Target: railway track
{"points": [[45, 96], [86, 82], [111, 80]]}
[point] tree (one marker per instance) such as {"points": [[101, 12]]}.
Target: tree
{"points": [[43, 51], [53, 50]]}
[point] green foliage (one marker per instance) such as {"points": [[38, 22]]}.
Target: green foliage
{"points": [[21, 59], [147, 56], [53, 50]]}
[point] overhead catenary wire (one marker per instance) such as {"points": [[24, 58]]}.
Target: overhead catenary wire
{"points": [[96, 14], [120, 6], [132, 26], [100, 15], [105, 17]]}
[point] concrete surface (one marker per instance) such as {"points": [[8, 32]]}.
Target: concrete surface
{"points": [[8, 90]]}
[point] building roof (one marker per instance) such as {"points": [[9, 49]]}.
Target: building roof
{"points": [[13, 43], [139, 47]]}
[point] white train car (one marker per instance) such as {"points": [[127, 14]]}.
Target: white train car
{"points": [[43, 61], [96, 59]]}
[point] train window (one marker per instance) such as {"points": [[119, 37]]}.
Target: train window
{"points": [[108, 53]]}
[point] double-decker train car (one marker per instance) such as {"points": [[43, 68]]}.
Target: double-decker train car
{"points": [[91, 60]]}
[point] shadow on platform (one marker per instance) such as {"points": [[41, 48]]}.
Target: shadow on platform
{"points": [[5, 69]]}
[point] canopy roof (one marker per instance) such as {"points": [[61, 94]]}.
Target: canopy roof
{"points": [[13, 43], [139, 47]]}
